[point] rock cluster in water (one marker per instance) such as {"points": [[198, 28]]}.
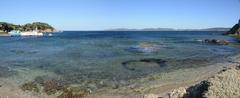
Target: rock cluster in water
{"points": [[214, 41], [52, 86]]}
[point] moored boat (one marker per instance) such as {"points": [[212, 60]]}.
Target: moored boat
{"points": [[14, 33], [27, 33], [32, 33]]}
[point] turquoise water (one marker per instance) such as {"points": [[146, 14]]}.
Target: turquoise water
{"points": [[112, 57]]}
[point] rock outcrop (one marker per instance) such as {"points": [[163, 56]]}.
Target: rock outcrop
{"points": [[223, 85], [235, 30], [128, 64]]}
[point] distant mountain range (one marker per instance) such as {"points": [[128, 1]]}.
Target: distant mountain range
{"points": [[169, 29]]}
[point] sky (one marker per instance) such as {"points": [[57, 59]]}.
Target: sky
{"points": [[110, 14]]}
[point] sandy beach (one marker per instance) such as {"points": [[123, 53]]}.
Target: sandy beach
{"points": [[3, 34]]}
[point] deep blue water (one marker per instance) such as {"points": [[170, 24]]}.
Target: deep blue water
{"points": [[112, 56]]}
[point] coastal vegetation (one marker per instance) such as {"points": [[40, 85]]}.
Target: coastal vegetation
{"points": [[43, 27]]}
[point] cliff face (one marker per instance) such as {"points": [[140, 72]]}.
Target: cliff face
{"points": [[235, 30]]}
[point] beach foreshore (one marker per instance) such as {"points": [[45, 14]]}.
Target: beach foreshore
{"points": [[192, 85], [165, 85], [4, 34]]}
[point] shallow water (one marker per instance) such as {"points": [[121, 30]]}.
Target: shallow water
{"points": [[104, 58]]}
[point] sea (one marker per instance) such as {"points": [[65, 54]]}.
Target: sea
{"points": [[103, 59]]}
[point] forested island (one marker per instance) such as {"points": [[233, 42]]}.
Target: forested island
{"points": [[40, 26]]}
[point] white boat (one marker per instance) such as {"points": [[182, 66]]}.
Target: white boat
{"points": [[27, 33], [14, 33], [32, 33]]}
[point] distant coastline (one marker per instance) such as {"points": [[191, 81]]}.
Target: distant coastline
{"points": [[170, 29]]}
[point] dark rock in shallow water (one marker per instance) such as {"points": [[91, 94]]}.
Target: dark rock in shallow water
{"points": [[160, 62], [214, 41], [127, 64]]}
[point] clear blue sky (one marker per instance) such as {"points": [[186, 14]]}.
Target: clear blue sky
{"points": [[105, 14]]}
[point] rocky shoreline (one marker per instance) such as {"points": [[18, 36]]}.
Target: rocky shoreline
{"points": [[225, 84], [221, 82]]}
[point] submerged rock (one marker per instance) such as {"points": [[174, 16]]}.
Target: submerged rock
{"points": [[74, 93], [30, 86], [129, 66], [52, 86], [49, 86]]}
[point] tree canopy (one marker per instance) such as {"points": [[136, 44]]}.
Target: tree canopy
{"points": [[7, 27]]}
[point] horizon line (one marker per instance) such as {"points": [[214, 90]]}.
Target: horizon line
{"points": [[146, 29]]}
